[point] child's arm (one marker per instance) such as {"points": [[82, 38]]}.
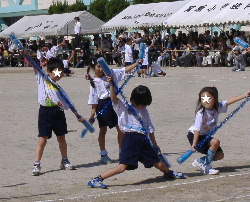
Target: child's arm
{"points": [[93, 111], [195, 140], [72, 56], [113, 95], [152, 137], [130, 67], [237, 98]]}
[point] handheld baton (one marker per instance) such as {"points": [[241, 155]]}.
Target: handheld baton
{"points": [[18, 43], [241, 42], [188, 153]]}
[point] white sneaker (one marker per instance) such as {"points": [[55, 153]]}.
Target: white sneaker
{"points": [[197, 164], [67, 165], [209, 170], [105, 159], [37, 169]]}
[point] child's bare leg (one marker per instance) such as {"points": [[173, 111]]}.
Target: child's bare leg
{"points": [[162, 167], [114, 171], [42, 141], [101, 138], [63, 146], [214, 145], [120, 136]]}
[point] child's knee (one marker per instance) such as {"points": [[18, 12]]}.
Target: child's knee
{"points": [[215, 142]]}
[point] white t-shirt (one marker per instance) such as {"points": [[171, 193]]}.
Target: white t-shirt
{"points": [[128, 53], [102, 86], [77, 27], [145, 59], [208, 120], [66, 64], [52, 52], [127, 122], [48, 95]]}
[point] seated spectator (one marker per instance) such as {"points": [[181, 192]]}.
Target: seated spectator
{"points": [[1, 59], [187, 56]]}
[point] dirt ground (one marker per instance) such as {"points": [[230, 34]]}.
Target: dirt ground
{"points": [[172, 112]]}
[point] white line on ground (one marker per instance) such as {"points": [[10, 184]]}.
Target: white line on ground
{"points": [[150, 188]]}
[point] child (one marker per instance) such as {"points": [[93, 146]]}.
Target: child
{"points": [[99, 96], [135, 146], [51, 114], [239, 62], [207, 111], [145, 64], [66, 61], [128, 53]]}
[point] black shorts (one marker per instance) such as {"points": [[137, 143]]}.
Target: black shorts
{"points": [[144, 67], [108, 117], [51, 119], [128, 63], [136, 148], [205, 147]]}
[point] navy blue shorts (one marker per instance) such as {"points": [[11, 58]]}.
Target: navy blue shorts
{"points": [[108, 117], [128, 63], [136, 148], [143, 66], [205, 147], [51, 119]]}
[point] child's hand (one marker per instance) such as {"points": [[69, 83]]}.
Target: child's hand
{"points": [[91, 120], [139, 61], [110, 79], [81, 120], [247, 94], [193, 148]]}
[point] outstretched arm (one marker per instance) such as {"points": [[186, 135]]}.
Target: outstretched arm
{"points": [[237, 98], [113, 95], [130, 67]]}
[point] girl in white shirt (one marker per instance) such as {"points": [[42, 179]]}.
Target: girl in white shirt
{"points": [[208, 109]]}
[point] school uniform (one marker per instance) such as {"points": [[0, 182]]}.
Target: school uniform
{"points": [[135, 146], [100, 95], [51, 113], [205, 122]]}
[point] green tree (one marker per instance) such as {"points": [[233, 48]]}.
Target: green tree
{"points": [[97, 8], [113, 7], [58, 7], [150, 1]]}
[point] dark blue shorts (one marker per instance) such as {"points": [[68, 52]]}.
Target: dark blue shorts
{"points": [[108, 117], [128, 63], [205, 147], [51, 119], [136, 148], [144, 67]]}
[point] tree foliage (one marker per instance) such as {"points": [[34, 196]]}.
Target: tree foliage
{"points": [[59, 7], [150, 1], [97, 8], [114, 7]]}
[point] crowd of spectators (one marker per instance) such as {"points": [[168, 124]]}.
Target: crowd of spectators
{"points": [[181, 49]]}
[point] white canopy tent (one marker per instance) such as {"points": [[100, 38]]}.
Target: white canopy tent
{"points": [[238, 12], [144, 15], [197, 13], [57, 24]]}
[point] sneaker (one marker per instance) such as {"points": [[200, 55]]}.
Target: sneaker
{"points": [[197, 164], [97, 183], [173, 174], [209, 170], [65, 164], [235, 70], [105, 159], [37, 169]]}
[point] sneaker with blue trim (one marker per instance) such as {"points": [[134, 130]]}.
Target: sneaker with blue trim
{"points": [[197, 164], [105, 159], [209, 170], [97, 183], [173, 174]]}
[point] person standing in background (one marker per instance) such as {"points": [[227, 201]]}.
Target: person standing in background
{"points": [[77, 30]]}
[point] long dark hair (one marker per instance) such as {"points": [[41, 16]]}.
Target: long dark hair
{"points": [[92, 64], [214, 92]]}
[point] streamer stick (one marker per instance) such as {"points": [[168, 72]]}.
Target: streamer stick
{"points": [[241, 42], [59, 88], [188, 153]]}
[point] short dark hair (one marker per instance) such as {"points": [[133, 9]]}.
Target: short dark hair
{"points": [[54, 63], [77, 18], [141, 95]]}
